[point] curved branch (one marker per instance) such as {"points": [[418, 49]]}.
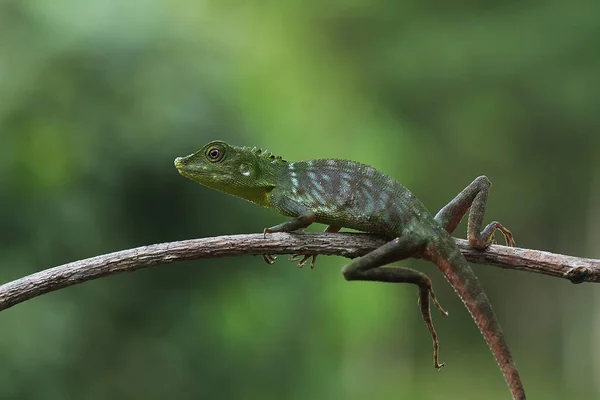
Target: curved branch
{"points": [[350, 245]]}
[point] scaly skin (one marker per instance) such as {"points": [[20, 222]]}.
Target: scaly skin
{"points": [[342, 193]]}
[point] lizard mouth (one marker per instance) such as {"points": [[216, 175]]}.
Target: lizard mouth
{"points": [[189, 170], [181, 165]]}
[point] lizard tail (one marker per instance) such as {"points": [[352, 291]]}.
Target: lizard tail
{"points": [[447, 256]]}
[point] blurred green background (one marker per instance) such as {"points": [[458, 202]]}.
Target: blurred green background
{"points": [[98, 98]]}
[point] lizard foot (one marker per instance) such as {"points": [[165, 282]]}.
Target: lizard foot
{"points": [[486, 238], [305, 258], [508, 237], [269, 258]]}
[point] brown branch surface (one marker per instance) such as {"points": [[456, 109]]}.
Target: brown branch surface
{"points": [[350, 245]]}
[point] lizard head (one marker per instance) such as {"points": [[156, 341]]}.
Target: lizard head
{"points": [[240, 171]]}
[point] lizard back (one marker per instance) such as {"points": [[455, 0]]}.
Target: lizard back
{"points": [[352, 195]]}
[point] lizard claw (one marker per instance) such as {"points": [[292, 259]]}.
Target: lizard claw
{"points": [[269, 258], [508, 237], [265, 231], [305, 257]]}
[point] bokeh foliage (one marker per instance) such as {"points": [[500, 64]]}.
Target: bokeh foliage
{"points": [[98, 98]]}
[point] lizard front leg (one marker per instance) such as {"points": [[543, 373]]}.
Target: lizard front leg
{"points": [[371, 268], [474, 197], [303, 217]]}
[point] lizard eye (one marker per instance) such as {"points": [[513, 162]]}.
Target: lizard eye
{"points": [[214, 154]]}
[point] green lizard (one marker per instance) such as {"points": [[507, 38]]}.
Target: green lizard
{"points": [[342, 193]]}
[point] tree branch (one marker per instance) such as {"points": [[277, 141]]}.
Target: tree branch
{"points": [[350, 245]]}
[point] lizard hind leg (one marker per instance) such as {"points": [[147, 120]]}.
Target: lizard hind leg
{"points": [[474, 197], [371, 268]]}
